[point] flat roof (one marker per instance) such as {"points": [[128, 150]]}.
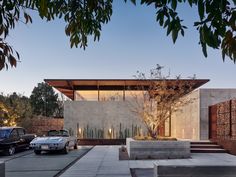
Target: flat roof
{"points": [[68, 86]]}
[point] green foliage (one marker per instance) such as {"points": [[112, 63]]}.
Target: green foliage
{"points": [[44, 100], [216, 24], [14, 109], [83, 19]]}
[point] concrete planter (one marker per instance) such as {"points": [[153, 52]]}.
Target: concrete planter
{"points": [[198, 170], [2, 169], [153, 149]]}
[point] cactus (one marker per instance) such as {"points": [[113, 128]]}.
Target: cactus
{"points": [[126, 133], [132, 130], [84, 133], [95, 133], [87, 129], [120, 132], [92, 133]]}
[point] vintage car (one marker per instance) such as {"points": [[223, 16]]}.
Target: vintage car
{"points": [[14, 138], [54, 141]]}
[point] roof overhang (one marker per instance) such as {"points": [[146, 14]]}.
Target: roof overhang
{"points": [[68, 86]]}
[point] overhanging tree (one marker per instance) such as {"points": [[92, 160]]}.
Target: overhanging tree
{"points": [[155, 103], [216, 25], [44, 100]]}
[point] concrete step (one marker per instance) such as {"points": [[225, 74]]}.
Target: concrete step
{"points": [[208, 150], [202, 142], [204, 146]]}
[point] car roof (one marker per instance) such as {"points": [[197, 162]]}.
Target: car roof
{"points": [[8, 128]]}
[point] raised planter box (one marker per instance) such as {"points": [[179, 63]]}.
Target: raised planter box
{"points": [[154, 149], [2, 169], [193, 171]]}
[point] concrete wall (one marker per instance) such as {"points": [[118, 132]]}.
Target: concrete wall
{"points": [[185, 121], [100, 115], [191, 121], [210, 97]]}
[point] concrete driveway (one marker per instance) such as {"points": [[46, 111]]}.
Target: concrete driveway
{"points": [[27, 164]]}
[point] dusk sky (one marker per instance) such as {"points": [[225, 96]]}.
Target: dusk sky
{"points": [[131, 41]]}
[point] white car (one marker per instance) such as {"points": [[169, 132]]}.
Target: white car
{"points": [[55, 141]]}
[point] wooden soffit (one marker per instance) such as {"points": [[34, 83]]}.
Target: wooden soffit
{"points": [[68, 86]]}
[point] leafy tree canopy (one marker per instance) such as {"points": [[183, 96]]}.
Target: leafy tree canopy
{"points": [[216, 24], [44, 101], [14, 109]]}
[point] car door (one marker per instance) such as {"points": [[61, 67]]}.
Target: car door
{"points": [[14, 138], [22, 141]]}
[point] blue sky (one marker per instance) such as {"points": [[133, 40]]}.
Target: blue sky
{"points": [[131, 41]]}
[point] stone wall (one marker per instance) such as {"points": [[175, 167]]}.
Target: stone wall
{"points": [[94, 117]]}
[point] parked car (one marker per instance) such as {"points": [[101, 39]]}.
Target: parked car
{"points": [[14, 138], [54, 141]]}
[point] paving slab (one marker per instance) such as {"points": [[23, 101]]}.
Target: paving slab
{"points": [[101, 161], [46, 165]]}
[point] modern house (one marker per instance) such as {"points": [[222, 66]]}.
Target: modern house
{"points": [[100, 108]]}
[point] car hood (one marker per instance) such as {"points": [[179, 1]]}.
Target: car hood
{"points": [[48, 139]]}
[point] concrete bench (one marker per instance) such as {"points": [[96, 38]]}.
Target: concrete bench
{"points": [[194, 171], [2, 169]]}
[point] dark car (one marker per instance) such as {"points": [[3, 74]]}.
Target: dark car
{"points": [[14, 138]]}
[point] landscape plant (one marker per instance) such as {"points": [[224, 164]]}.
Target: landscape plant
{"points": [[159, 98], [83, 19]]}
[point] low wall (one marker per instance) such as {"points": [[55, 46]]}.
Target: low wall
{"points": [[40, 126], [229, 145], [101, 142], [2, 169], [154, 149], [193, 171]]}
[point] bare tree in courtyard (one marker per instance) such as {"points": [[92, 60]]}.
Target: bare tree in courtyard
{"points": [[158, 97]]}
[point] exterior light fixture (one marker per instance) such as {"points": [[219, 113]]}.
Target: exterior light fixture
{"points": [[110, 130], [5, 121], [80, 130]]}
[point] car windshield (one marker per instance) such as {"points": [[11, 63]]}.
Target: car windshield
{"points": [[58, 133], [64, 133], [53, 133], [4, 133]]}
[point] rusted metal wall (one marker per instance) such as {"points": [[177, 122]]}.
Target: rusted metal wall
{"points": [[222, 120]]}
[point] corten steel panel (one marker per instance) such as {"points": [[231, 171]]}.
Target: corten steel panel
{"points": [[225, 120], [212, 122]]}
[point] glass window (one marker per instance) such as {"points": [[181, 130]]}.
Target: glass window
{"points": [[135, 94], [14, 134], [110, 95], [88, 95], [21, 131], [4, 133]]}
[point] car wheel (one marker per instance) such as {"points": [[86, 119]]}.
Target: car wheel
{"points": [[66, 149], [76, 145], [37, 152], [11, 150]]}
